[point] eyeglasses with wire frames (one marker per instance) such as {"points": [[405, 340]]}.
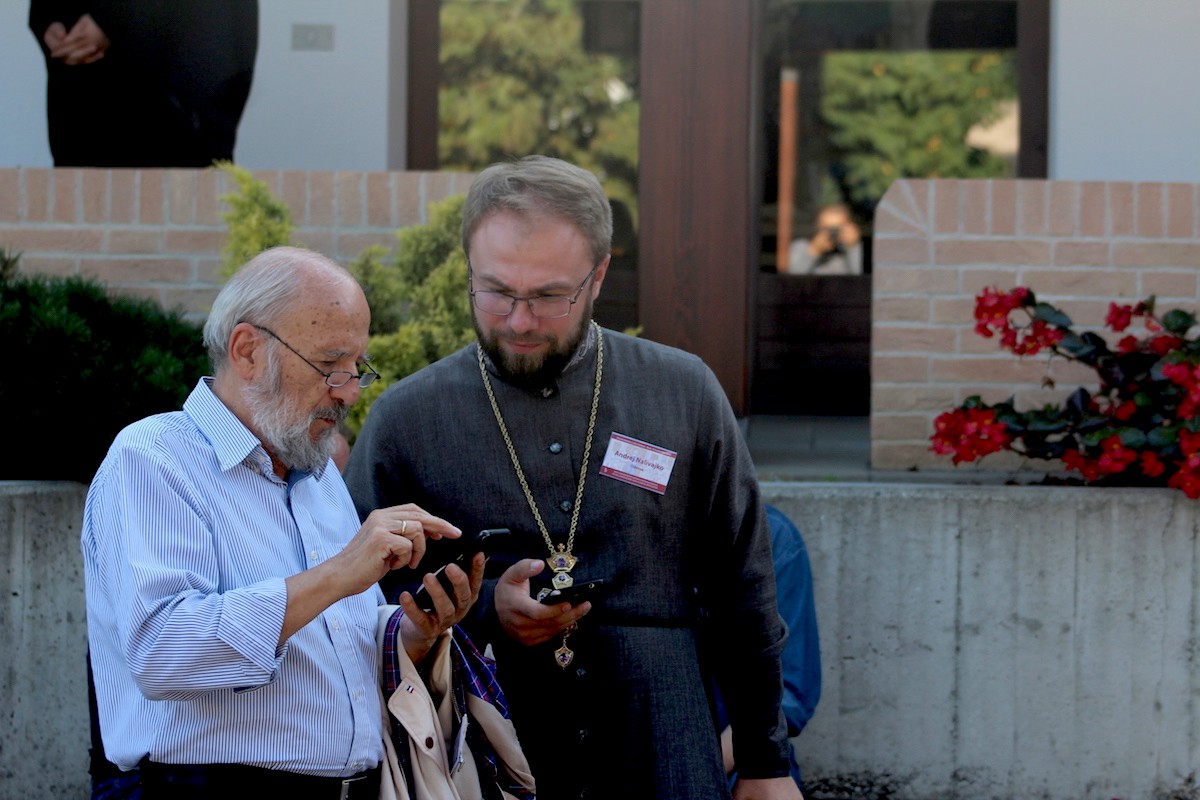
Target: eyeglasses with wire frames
{"points": [[336, 379], [542, 306]]}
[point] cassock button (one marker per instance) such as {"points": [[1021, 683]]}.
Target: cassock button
{"points": [[555, 448], [565, 505]]}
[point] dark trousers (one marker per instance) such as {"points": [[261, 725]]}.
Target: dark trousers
{"points": [[238, 782]]}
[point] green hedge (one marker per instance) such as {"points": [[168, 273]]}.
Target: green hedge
{"points": [[102, 362]]}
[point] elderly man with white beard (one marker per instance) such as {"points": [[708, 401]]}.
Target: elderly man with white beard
{"points": [[231, 590]]}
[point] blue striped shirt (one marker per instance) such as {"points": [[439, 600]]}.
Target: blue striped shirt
{"points": [[188, 536]]}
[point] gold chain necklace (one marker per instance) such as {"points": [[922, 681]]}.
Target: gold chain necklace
{"points": [[561, 559]]}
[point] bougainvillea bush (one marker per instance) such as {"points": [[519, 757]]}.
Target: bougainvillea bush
{"points": [[1140, 428]]}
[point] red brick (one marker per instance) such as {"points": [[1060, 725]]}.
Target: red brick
{"points": [[271, 178], [1150, 210], [194, 241], [138, 270], [1120, 209], [10, 195], [1156, 254], [1093, 209], [406, 188], [45, 265], [181, 196], [1082, 282], [123, 241], [354, 243], [1169, 284], [190, 300], [37, 195], [1074, 253], [991, 251], [900, 369], [152, 197], [945, 206], [1004, 208], [57, 240], [975, 280], [95, 194], [901, 210], [953, 311], [887, 339], [889, 220], [1064, 203], [320, 198], [974, 198], [319, 239], [914, 279], [208, 204], [122, 196], [351, 188], [999, 368], [901, 309], [921, 397], [379, 200], [1181, 210], [890, 250], [1031, 205], [66, 195], [900, 427], [295, 195]]}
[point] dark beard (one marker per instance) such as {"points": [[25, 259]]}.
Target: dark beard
{"points": [[535, 373]]}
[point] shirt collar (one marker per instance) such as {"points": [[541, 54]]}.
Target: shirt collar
{"points": [[231, 440]]}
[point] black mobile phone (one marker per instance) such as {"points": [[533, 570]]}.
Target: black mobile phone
{"points": [[574, 595], [487, 541]]}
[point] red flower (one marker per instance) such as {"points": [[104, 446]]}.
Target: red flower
{"points": [[1152, 465], [1125, 411], [966, 434], [1118, 317], [1161, 345]]}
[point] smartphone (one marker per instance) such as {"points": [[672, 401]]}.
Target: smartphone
{"points": [[572, 594], [487, 541]]}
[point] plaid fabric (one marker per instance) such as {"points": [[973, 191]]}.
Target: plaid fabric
{"points": [[472, 672]]}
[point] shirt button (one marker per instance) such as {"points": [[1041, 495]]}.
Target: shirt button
{"points": [[313, 555], [548, 392], [583, 734], [565, 505], [337, 626], [555, 448], [581, 673]]}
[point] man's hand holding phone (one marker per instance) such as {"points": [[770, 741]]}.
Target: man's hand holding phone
{"points": [[487, 542], [523, 618]]}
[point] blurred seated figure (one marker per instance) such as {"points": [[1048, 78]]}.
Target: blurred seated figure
{"points": [[834, 249]]}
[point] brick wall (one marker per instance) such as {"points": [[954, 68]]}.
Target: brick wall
{"points": [[1078, 245], [158, 233]]}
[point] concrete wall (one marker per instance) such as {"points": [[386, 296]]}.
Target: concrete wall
{"points": [[977, 642], [43, 642], [1000, 642], [1079, 245]]}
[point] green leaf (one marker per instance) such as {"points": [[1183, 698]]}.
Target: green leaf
{"points": [[1044, 312], [1178, 322], [1162, 437]]}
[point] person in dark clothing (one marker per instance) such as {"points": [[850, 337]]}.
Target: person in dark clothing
{"points": [[137, 84]]}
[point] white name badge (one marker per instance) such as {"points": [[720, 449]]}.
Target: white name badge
{"points": [[639, 463]]}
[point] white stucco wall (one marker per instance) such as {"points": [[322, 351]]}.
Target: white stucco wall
{"points": [[1123, 97], [307, 109], [1122, 94]]}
